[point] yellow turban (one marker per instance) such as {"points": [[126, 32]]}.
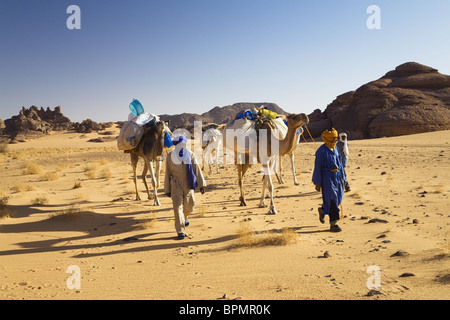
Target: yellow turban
{"points": [[328, 137]]}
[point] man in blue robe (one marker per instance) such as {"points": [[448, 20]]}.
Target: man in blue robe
{"points": [[329, 177]]}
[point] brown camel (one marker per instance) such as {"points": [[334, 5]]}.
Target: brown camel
{"points": [[285, 146], [150, 148]]}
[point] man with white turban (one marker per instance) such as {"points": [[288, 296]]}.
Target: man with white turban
{"points": [[342, 146], [183, 175]]}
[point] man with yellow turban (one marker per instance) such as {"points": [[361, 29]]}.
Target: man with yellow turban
{"points": [[329, 177]]}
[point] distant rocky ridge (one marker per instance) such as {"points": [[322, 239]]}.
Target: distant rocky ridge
{"points": [[217, 115], [413, 98]]}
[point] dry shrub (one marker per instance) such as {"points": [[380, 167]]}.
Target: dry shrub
{"points": [[4, 211], [77, 185], [72, 213], [32, 168], [147, 223], [61, 166], [39, 200], [443, 279], [82, 197], [105, 173], [90, 169], [248, 238], [22, 188], [3, 199], [3, 147], [49, 176]]}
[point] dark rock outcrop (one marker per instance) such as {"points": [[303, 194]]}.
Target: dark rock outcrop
{"points": [[413, 98], [87, 126], [34, 121]]}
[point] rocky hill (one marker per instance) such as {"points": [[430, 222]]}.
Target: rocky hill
{"points": [[413, 98], [218, 115]]}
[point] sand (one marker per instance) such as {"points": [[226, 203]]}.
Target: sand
{"points": [[68, 202]]}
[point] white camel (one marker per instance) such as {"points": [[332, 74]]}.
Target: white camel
{"points": [[267, 159], [291, 157], [211, 142]]}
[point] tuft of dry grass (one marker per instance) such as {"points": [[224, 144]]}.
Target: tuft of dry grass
{"points": [[248, 238], [72, 213], [105, 173], [39, 200], [147, 223], [49, 176], [61, 166], [82, 197], [4, 211], [3, 199], [3, 147], [90, 169], [32, 168], [77, 185], [22, 188]]}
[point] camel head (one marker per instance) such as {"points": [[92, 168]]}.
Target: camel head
{"points": [[160, 128], [296, 120]]}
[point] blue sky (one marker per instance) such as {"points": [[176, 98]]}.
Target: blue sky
{"points": [[192, 55]]}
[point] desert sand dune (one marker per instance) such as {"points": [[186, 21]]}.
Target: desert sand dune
{"points": [[69, 202]]}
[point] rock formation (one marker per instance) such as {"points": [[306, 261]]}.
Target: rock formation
{"points": [[87, 126], [218, 115], [34, 121], [413, 98]]}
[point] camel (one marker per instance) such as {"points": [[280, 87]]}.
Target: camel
{"points": [[285, 146], [211, 142], [291, 157], [150, 148]]}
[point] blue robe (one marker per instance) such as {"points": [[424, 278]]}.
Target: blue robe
{"points": [[331, 182]]}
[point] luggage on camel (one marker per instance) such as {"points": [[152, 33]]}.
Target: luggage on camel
{"points": [[130, 135], [132, 130], [253, 119]]}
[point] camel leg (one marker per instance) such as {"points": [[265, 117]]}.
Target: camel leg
{"points": [[268, 183], [158, 173], [210, 160], [241, 183], [293, 169], [152, 175], [203, 161], [272, 209], [207, 155], [279, 174], [263, 192], [134, 161], [217, 158], [242, 169], [144, 179]]}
